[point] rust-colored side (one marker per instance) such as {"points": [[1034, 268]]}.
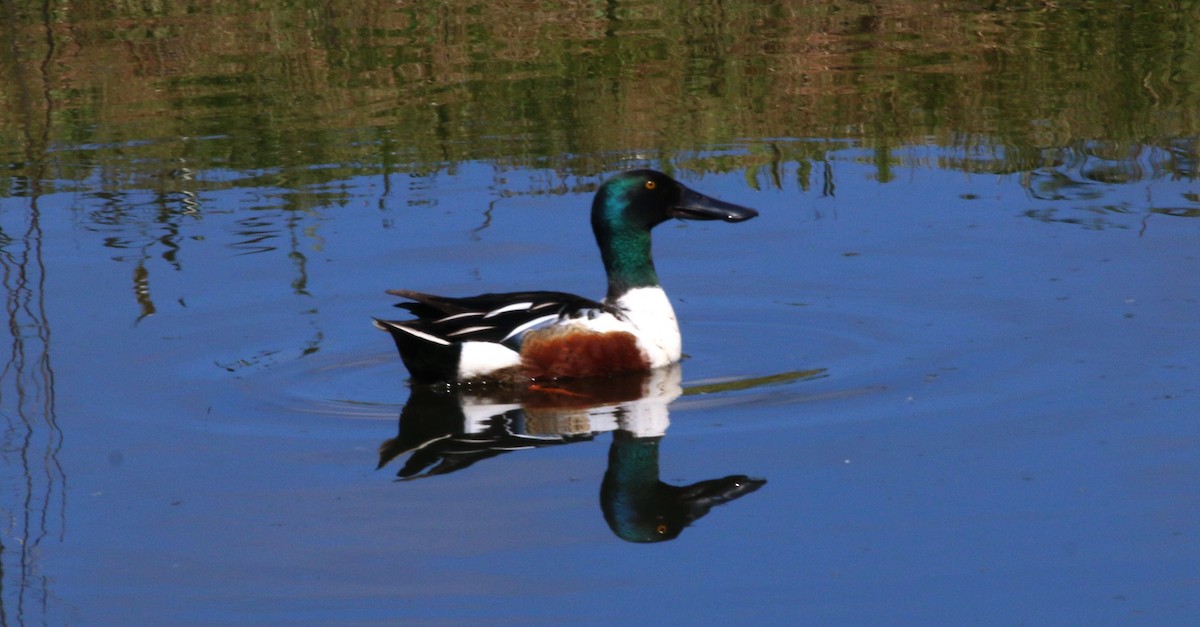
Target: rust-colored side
{"points": [[569, 353]]}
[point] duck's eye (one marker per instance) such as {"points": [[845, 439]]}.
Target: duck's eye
{"points": [[651, 184], [661, 529]]}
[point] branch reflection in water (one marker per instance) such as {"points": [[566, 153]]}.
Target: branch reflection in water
{"points": [[33, 483], [448, 429]]}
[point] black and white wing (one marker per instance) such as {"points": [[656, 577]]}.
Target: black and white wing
{"points": [[500, 318]]}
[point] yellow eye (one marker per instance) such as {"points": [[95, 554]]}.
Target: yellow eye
{"points": [[650, 184]]}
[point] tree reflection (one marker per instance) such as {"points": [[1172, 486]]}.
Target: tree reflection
{"points": [[447, 430], [33, 499], [33, 494]]}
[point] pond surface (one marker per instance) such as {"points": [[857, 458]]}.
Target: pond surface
{"points": [[948, 375]]}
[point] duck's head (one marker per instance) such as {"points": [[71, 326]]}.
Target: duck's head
{"points": [[629, 204], [643, 199]]}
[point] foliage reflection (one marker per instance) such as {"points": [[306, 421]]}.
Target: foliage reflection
{"points": [[140, 95]]}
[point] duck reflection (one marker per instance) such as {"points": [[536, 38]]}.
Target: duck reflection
{"points": [[446, 430]]}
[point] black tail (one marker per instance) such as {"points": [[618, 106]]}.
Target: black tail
{"points": [[429, 359]]}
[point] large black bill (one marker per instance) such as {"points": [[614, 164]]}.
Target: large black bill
{"points": [[696, 206]]}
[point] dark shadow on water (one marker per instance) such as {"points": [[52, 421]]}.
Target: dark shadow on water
{"points": [[446, 430]]}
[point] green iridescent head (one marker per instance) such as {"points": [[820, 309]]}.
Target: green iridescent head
{"points": [[629, 205]]}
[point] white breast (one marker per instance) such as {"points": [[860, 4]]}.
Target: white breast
{"points": [[648, 310]]}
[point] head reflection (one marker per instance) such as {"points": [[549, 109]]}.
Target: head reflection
{"points": [[446, 430]]}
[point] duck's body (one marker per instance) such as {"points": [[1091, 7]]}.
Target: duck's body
{"points": [[535, 335], [525, 336]]}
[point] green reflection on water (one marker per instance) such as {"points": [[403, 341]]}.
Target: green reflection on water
{"points": [[137, 91]]}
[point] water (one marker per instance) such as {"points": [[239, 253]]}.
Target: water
{"points": [[958, 344]]}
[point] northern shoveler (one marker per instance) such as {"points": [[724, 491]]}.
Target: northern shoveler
{"points": [[532, 336]]}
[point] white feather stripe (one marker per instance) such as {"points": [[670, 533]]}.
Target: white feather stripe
{"points": [[385, 325], [479, 359], [467, 314], [529, 325], [512, 307], [468, 330]]}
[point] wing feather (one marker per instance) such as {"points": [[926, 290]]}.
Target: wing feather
{"points": [[508, 315]]}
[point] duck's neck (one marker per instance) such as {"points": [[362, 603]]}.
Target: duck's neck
{"points": [[627, 260]]}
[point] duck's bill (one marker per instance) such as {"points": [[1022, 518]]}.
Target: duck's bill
{"points": [[696, 206]]}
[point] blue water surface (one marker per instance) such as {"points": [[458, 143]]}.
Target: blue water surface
{"points": [[1000, 427]]}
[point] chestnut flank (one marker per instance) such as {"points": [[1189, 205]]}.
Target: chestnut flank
{"points": [[570, 353]]}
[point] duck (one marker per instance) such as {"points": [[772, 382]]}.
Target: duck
{"points": [[537, 336]]}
